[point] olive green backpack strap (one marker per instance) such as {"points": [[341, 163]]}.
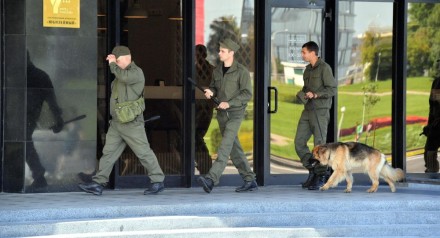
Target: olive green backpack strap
{"points": [[115, 93]]}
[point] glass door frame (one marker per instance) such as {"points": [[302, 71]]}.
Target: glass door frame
{"points": [[263, 64], [262, 71], [186, 179]]}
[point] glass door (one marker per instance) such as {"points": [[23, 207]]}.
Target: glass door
{"points": [[153, 32], [216, 20], [292, 25]]}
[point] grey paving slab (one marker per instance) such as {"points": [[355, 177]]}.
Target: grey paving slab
{"points": [[191, 196], [270, 208]]}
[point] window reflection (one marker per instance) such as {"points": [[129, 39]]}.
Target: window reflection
{"points": [[422, 91], [204, 110], [364, 73]]}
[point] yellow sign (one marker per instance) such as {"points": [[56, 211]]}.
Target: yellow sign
{"points": [[61, 13]]}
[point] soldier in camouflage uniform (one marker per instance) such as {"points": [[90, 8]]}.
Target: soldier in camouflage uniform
{"points": [[231, 84], [128, 85], [316, 94], [432, 129]]}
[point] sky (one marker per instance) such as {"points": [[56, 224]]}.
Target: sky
{"points": [[380, 14], [215, 9], [367, 13]]}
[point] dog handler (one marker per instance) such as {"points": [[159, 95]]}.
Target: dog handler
{"points": [[128, 86], [231, 84], [316, 95]]}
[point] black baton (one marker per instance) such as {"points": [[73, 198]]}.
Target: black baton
{"points": [[153, 118], [71, 120], [214, 99]]}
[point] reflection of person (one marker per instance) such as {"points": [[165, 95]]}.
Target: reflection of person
{"points": [[359, 130], [39, 90], [316, 94], [204, 110], [432, 129], [231, 84], [128, 85]]}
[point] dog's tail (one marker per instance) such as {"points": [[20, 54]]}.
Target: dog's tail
{"points": [[394, 174]]}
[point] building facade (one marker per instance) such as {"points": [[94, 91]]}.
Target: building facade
{"points": [[56, 84]]}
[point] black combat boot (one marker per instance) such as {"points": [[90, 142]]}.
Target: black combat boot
{"points": [[311, 164], [431, 162], [206, 183], [92, 187], [320, 180], [311, 177], [247, 186], [155, 188]]}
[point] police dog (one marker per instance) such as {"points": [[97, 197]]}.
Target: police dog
{"points": [[343, 157]]}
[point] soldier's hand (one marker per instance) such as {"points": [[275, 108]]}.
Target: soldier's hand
{"points": [[311, 95], [111, 58], [223, 105], [425, 131], [208, 93]]}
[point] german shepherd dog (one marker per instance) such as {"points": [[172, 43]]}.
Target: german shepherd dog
{"points": [[343, 157]]}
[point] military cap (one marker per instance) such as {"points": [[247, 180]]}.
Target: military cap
{"points": [[120, 50], [229, 44]]}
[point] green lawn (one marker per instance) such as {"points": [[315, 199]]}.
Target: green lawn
{"points": [[284, 122]]}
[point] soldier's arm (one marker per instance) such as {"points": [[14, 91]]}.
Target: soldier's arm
{"points": [[329, 84], [244, 93], [127, 76]]}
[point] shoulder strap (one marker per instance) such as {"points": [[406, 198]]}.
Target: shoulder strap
{"points": [[115, 93]]}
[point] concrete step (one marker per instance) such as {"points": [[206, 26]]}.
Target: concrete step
{"points": [[408, 230], [271, 212], [207, 208], [345, 222]]}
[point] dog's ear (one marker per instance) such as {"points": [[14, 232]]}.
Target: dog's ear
{"points": [[318, 150], [322, 149], [315, 150]]}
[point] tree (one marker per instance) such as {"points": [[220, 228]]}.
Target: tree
{"points": [[227, 27], [370, 99], [423, 37], [222, 28], [418, 52], [376, 55]]}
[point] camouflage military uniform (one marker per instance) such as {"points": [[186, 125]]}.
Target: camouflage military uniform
{"points": [[235, 88], [432, 130], [130, 85], [315, 116]]}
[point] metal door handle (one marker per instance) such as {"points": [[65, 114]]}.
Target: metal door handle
{"points": [[270, 99]]}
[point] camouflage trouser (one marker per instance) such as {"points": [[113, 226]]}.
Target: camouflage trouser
{"points": [[118, 137], [431, 162], [229, 124], [308, 125], [430, 155]]}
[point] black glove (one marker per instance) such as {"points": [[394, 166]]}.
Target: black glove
{"points": [[425, 131], [59, 124]]}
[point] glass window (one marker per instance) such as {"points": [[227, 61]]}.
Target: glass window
{"points": [[423, 100], [60, 96], [216, 20], [364, 73]]}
